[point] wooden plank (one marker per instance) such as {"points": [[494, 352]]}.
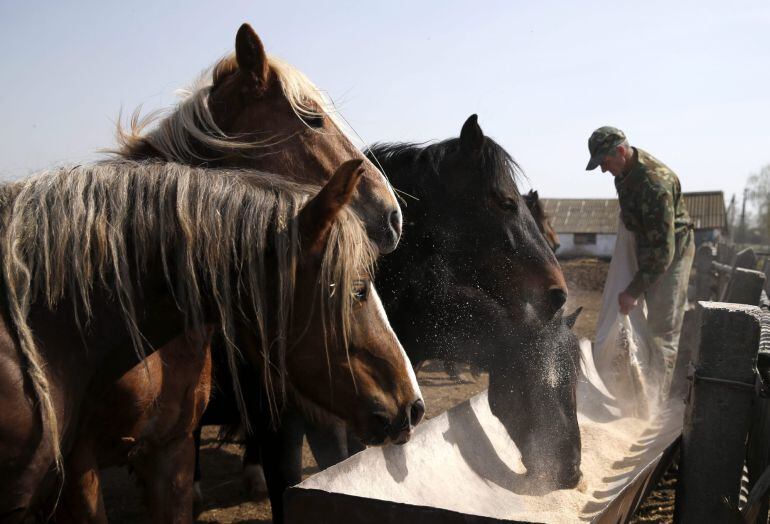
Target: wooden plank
{"points": [[315, 506]]}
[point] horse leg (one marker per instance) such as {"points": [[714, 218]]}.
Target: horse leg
{"points": [[166, 475], [81, 498], [282, 459], [253, 473], [354, 444], [328, 444], [197, 493], [164, 456], [450, 368]]}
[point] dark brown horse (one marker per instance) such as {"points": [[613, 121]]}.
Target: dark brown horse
{"points": [[104, 262], [475, 281], [255, 111], [542, 219]]}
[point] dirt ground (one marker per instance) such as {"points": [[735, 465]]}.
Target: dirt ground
{"points": [[222, 486], [221, 466]]}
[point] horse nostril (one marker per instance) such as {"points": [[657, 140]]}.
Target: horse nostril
{"points": [[557, 297], [417, 412], [556, 247]]}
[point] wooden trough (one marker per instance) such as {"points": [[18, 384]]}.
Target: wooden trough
{"points": [[461, 466]]}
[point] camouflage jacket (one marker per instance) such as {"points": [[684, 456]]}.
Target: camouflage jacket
{"points": [[652, 207]]}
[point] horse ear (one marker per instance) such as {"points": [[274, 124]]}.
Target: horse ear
{"points": [[471, 136], [529, 198], [534, 194], [571, 319], [318, 215], [250, 54]]}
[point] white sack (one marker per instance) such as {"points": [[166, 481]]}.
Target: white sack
{"points": [[625, 354]]}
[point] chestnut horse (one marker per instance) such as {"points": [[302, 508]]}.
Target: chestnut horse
{"points": [[106, 261], [542, 219], [255, 111]]}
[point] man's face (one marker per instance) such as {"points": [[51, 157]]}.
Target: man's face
{"points": [[613, 162]]}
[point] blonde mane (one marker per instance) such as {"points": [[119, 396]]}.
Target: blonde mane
{"points": [[176, 133], [209, 234]]}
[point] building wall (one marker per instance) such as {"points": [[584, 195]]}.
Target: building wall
{"points": [[605, 244], [707, 235]]}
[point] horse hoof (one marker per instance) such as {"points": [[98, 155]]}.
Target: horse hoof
{"points": [[254, 481], [197, 499]]}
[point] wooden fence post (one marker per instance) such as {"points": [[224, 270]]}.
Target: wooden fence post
{"points": [[725, 253], [718, 413], [745, 287], [746, 258], [703, 273], [758, 445]]}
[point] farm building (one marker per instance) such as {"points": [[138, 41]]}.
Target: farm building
{"points": [[588, 227]]}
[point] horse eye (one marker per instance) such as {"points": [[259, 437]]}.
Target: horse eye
{"points": [[316, 121], [508, 204], [360, 290]]}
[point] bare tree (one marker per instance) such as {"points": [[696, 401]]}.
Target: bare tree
{"points": [[732, 216], [758, 186]]}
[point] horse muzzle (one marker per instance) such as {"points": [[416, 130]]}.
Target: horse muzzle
{"points": [[387, 234], [383, 429]]}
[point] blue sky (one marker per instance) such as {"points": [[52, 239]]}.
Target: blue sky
{"points": [[688, 81]]}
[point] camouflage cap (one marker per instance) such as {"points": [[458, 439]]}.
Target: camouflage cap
{"points": [[602, 141]]}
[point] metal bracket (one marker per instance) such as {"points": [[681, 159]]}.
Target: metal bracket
{"points": [[756, 387]]}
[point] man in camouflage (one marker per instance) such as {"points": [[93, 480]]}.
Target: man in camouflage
{"points": [[652, 208]]}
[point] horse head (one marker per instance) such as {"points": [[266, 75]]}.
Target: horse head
{"points": [[257, 112], [542, 219], [513, 262], [343, 358], [532, 390], [470, 214]]}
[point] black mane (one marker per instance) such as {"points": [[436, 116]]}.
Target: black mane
{"points": [[399, 160]]}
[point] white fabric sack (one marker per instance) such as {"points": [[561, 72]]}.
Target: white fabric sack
{"points": [[625, 354]]}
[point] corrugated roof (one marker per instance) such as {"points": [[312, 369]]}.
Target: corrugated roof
{"points": [[600, 215], [587, 215], [707, 209]]}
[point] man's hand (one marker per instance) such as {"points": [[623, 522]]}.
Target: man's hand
{"points": [[626, 302]]}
